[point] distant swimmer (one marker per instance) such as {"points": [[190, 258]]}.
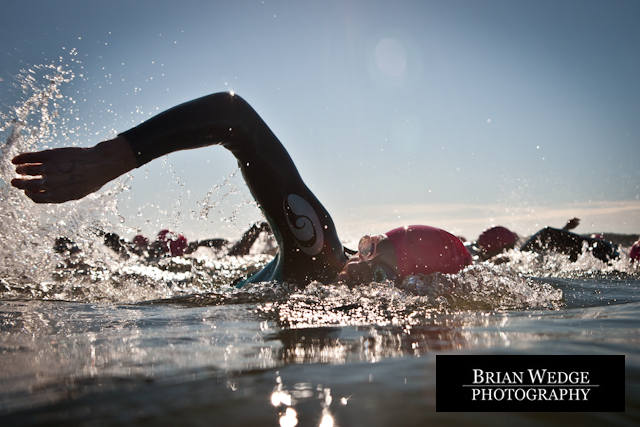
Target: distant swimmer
{"points": [[243, 246], [562, 240], [634, 253], [309, 247], [491, 242], [496, 240]]}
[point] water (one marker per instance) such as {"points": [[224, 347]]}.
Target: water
{"points": [[96, 339]]}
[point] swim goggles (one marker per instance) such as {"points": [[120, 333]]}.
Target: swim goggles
{"points": [[368, 246]]}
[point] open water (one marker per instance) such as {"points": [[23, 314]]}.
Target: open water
{"points": [[94, 339]]}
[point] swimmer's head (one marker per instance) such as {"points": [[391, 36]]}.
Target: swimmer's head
{"points": [[173, 243], [634, 253], [374, 261], [404, 251], [140, 241], [178, 245], [496, 240]]}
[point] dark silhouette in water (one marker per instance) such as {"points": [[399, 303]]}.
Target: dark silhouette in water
{"points": [[494, 241], [571, 224], [562, 240], [215, 243], [242, 246], [64, 245], [551, 239], [158, 248]]}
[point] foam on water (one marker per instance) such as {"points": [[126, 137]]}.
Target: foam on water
{"points": [[559, 265]]}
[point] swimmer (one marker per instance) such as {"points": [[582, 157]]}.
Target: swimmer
{"points": [[241, 247], [491, 242], [634, 252], [564, 241], [497, 240], [309, 247]]}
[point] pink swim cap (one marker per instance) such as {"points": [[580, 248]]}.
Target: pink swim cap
{"points": [[495, 240], [172, 242], [634, 253], [424, 249], [178, 245], [140, 241]]}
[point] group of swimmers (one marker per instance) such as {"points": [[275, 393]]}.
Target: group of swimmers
{"points": [[309, 247], [167, 243]]}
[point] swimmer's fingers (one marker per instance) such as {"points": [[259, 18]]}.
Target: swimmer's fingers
{"points": [[29, 185], [57, 187], [74, 189], [35, 157], [73, 172], [67, 174], [80, 176], [31, 169], [33, 189], [57, 195], [62, 160]]}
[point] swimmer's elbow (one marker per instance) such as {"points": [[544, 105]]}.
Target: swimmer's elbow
{"points": [[226, 99]]}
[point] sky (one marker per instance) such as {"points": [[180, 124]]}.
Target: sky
{"points": [[457, 114]]}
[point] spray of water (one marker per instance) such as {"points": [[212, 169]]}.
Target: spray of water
{"points": [[28, 230]]}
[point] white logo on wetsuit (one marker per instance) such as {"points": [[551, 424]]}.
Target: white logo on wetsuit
{"points": [[304, 224]]}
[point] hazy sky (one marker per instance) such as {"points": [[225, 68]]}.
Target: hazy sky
{"points": [[459, 114]]}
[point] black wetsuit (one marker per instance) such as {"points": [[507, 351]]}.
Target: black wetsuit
{"points": [[309, 247], [568, 243]]}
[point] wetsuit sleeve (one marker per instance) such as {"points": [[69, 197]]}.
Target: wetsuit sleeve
{"points": [[308, 242]]}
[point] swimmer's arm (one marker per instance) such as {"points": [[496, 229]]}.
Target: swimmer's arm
{"points": [[63, 174], [571, 224], [217, 119]]}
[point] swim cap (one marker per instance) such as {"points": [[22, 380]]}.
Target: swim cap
{"points": [[423, 249], [634, 253], [140, 241], [178, 245], [495, 240], [172, 242]]}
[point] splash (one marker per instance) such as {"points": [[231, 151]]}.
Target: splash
{"points": [[558, 265], [417, 299], [28, 229]]}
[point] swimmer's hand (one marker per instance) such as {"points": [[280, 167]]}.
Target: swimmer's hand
{"points": [[63, 174], [356, 272], [571, 224]]}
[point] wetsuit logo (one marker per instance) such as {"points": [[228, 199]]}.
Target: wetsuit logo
{"points": [[304, 224]]}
